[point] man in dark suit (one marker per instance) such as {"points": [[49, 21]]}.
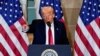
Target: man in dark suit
{"points": [[48, 31]]}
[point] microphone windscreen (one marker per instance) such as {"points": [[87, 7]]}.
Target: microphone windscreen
{"points": [[49, 24]]}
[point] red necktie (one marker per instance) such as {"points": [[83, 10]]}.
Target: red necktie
{"points": [[50, 36]]}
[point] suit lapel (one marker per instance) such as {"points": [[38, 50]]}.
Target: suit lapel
{"points": [[56, 30], [43, 33]]}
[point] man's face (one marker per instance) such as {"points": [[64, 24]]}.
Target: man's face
{"points": [[47, 14]]}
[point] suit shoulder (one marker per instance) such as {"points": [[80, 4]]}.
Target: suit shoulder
{"points": [[59, 23], [37, 21]]}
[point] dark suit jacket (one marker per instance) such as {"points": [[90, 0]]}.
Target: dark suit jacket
{"points": [[38, 28]]}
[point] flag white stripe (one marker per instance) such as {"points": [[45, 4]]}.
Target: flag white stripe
{"points": [[75, 54], [1, 54], [81, 45], [6, 46], [25, 38], [96, 28], [88, 37], [23, 34], [10, 34]]}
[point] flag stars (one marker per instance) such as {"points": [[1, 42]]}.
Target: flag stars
{"points": [[83, 12], [10, 10], [16, 5], [89, 8], [56, 5], [87, 19], [98, 11], [15, 16], [61, 11], [90, 11], [51, 4], [11, 4], [56, 16], [5, 9], [20, 6], [84, 6], [0, 8], [10, 15], [99, 17], [10, 21], [93, 15], [94, 4], [16, 11], [6, 3], [90, 3], [42, 2], [85, 1], [88, 14], [99, 5], [47, 3], [20, 11], [1, 2], [56, 11], [93, 9], [5, 14]]}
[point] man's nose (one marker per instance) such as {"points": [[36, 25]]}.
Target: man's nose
{"points": [[47, 17]]}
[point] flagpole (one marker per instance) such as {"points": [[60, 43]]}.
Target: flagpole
{"points": [[37, 4], [69, 35], [24, 8]]}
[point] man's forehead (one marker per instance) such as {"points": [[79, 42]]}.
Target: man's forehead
{"points": [[47, 8]]}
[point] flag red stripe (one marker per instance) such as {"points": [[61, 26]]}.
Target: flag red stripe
{"points": [[94, 35], [9, 41], [77, 49], [22, 21], [19, 37], [3, 50], [98, 22], [85, 41]]}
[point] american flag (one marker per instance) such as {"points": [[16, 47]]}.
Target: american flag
{"points": [[13, 42], [87, 34], [56, 4]]}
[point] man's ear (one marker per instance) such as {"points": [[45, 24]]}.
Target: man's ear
{"points": [[53, 15]]}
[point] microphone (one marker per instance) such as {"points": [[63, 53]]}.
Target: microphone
{"points": [[49, 24], [25, 28]]}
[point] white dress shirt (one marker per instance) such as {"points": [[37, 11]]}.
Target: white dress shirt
{"points": [[47, 36]]}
